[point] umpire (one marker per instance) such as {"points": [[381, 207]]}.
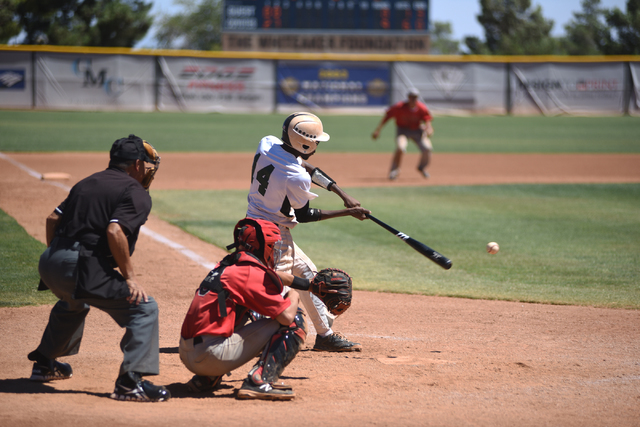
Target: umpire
{"points": [[93, 231]]}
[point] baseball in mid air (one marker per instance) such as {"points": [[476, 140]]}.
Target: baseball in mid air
{"points": [[493, 247]]}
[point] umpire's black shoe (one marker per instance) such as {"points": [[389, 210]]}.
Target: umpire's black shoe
{"points": [[130, 386], [51, 371], [335, 342]]}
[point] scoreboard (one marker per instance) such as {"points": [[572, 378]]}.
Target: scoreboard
{"points": [[343, 16]]}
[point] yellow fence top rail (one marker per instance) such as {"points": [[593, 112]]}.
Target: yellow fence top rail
{"points": [[317, 56]]}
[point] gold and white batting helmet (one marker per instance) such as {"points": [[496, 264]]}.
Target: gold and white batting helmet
{"points": [[303, 131]]}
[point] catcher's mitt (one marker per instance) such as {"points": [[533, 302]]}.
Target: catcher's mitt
{"points": [[334, 288]]}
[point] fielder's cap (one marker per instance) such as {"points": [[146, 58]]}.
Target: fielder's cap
{"points": [[413, 92], [129, 148]]}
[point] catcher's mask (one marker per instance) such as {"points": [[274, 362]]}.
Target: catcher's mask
{"points": [[260, 237], [303, 132], [134, 148]]}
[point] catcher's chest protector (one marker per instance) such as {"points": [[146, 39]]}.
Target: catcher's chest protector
{"points": [[213, 283]]}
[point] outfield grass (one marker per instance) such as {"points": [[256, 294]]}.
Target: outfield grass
{"points": [[96, 131], [560, 244], [19, 255]]}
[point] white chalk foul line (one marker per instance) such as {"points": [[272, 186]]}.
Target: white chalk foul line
{"points": [[178, 247], [144, 230], [31, 172]]}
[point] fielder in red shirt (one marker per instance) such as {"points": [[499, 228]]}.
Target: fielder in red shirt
{"points": [[218, 335], [413, 121]]}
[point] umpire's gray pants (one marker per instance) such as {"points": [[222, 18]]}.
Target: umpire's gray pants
{"points": [[63, 334]]}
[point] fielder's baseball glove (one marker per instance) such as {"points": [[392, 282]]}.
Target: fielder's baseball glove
{"points": [[334, 288]]}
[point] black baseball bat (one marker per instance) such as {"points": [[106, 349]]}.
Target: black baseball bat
{"points": [[425, 250]]}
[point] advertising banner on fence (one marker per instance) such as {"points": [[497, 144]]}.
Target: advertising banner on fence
{"points": [[453, 86], [216, 85], [16, 90], [333, 84], [94, 82], [568, 88]]}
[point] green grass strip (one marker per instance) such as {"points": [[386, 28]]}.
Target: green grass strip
{"points": [[170, 132], [19, 256], [560, 244]]}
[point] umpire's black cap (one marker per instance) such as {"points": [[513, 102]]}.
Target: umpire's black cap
{"points": [[129, 148]]}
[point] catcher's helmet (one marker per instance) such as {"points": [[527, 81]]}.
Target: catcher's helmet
{"points": [[152, 154], [259, 237], [303, 131]]}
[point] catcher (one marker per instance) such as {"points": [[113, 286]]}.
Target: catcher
{"points": [[239, 311], [217, 335]]}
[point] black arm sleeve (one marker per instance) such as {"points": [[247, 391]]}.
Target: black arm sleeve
{"points": [[307, 214], [300, 283]]}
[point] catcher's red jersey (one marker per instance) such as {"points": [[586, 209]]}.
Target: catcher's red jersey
{"points": [[250, 285], [407, 117]]}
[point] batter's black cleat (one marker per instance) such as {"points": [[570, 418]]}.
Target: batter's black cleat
{"points": [[203, 383], [51, 371], [264, 391], [132, 387], [335, 342]]}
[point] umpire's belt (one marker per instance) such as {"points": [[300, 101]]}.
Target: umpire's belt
{"points": [[65, 243]]}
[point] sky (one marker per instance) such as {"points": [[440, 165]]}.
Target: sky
{"points": [[460, 13]]}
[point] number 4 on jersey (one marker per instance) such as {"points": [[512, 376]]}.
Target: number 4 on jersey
{"points": [[262, 176]]}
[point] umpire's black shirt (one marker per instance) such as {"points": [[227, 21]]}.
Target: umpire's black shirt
{"points": [[93, 203]]}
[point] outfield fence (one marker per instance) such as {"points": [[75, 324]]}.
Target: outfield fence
{"points": [[78, 78]]}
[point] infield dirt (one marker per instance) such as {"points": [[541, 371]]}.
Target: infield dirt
{"points": [[426, 360]]}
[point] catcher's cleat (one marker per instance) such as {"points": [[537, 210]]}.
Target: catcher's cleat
{"points": [[264, 391], [203, 383], [53, 371], [132, 387], [335, 342], [281, 385]]}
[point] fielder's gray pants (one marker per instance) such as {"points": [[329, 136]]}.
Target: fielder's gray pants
{"points": [[63, 334]]}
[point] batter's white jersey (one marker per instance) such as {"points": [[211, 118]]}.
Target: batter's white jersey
{"points": [[279, 184]]}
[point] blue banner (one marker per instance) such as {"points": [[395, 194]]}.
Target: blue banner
{"points": [[333, 84], [12, 79]]}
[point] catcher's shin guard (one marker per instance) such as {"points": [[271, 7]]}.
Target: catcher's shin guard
{"points": [[280, 351]]}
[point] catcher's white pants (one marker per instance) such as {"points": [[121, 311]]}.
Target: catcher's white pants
{"points": [[294, 261]]}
